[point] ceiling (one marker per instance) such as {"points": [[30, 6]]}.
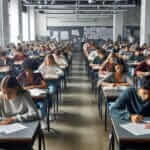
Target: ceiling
{"points": [[86, 8]]}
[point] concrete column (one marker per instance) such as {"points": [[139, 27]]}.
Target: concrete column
{"points": [[31, 17], [145, 22], [25, 26], [4, 23], [15, 21], [29, 34], [118, 20]]}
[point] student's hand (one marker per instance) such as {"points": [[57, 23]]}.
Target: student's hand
{"points": [[147, 73], [136, 118], [7, 121], [114, 84], [147, 126]]}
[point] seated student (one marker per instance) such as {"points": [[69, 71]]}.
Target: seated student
{"points": [[49, 67], [133, 104], [143, 69], [16, 104], [87, 47], [100, 58], [19, 54], [92, 54], [136, 56], [125, 53], [60, 60], [109, 63], [30, 80], [4, 60], [146, 52], [119, 77]]}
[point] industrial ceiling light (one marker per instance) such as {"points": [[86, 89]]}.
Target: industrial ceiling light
{"points": [[91, 1]]}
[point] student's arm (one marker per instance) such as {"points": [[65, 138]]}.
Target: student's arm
{"points": [[123, 84], [119, 109], [141, 73], [32, 112], [108, 81], [102, 67], [42, 84], [59, 71]]}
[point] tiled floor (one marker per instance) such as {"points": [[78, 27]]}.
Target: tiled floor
{"points": [[78, 125]]}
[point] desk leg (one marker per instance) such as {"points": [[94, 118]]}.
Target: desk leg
{"points": [[106, 114], [40, 140], [111, 141], [100, 103]]}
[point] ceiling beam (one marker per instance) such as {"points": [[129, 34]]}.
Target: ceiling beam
{"points": [[81, 6]]}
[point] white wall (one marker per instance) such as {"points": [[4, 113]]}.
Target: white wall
{"points": [[41, 25], [104, 21], [132, 17]]}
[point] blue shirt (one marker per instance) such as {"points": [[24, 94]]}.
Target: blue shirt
{"points": [[130, 103]]}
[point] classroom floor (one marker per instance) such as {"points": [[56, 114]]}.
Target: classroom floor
{"points": [[78, 125]]}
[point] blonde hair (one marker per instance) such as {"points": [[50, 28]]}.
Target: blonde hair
{"points": [[12, 83], [49, 58]]}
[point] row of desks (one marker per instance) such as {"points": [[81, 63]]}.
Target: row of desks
{"points": [[120, 138]]}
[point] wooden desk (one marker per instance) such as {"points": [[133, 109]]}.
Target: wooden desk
{"points": [[125, 140], [23, 139]]}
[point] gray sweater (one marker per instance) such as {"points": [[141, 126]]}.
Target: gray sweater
{"points": [[22, 108]]}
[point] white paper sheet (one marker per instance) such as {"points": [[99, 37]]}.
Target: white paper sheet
{"points": [[38, 92], [137, 129], [15, 127]]}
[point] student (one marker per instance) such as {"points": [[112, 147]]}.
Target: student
{"points": [[137, 56], [109, 63], [30, 80], [143, 69], [4, 60], [16, 104], [119, 77], [93, 54], [19, 54], [60, 59], [100, 58], [133, 104], [50, 67]]}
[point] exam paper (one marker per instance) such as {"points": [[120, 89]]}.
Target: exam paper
{"points": [[37, 92], [136, 129], [8, 129]]}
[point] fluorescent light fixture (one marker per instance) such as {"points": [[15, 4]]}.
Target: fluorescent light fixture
{"points": [[91, 1]]}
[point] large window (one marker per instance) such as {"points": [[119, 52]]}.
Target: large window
{"points": [[25, 27]]}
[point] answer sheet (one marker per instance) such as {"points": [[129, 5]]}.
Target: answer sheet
{"points": [[11, 128], [136, 129]]}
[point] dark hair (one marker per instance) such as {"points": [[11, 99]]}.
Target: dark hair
{"points": [[145, 83], [19, 49], [121, 62], [11, 82], [30, 64]]}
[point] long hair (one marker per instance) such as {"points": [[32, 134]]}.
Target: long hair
{"points": [[50, 58], [12, 83]]}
